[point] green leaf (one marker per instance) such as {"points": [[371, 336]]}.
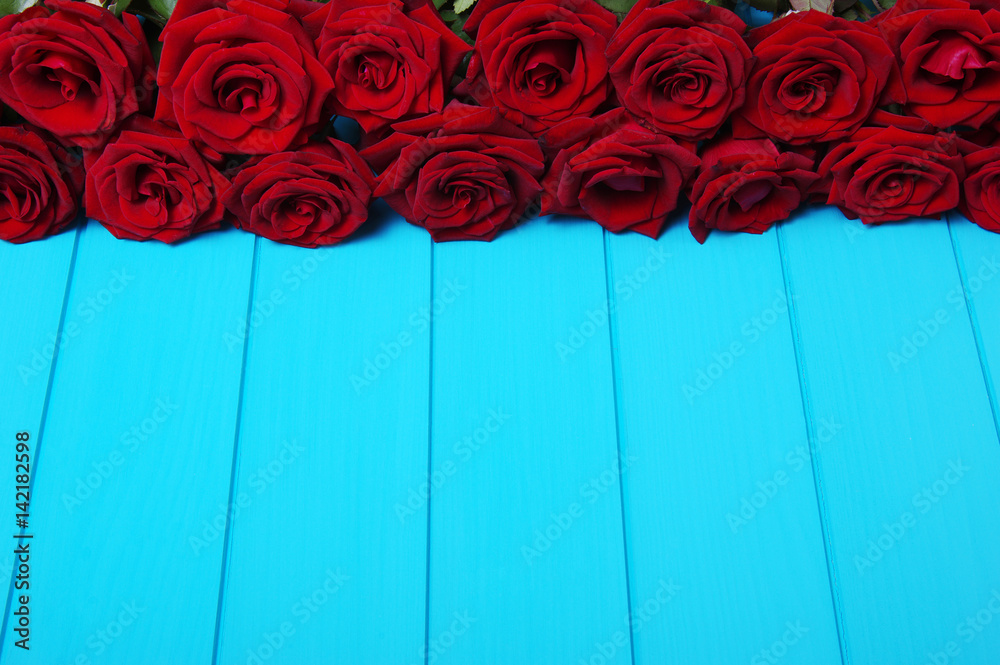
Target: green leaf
{"points": [[618, 6], [8, 7], [463, 5], [825, 6], [163, 8], [119, 6]]}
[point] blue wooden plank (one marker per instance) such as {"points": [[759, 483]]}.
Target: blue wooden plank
{"points": [[526, 562], [35, 279], [721, 504], [334, 427], [977, 254], [910, 487], [141, 418]]}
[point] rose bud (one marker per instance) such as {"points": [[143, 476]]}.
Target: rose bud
{"points": [[949, 53], [615, 171], [42, 183], [540, 61], [886, 174], [817, 78], [681, 66], [241, 78], [463, 174], [389, 60], [981, 188], [747, 185], [317, 195], [74, 69], [152, 183]]}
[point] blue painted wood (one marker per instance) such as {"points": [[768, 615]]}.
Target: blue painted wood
{"points": [[324, 564], [35, 279], [332, 534], [885, 342], [527, 556], [977, 253], [139, 428], [721, 504]]}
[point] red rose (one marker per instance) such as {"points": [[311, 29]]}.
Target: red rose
{"points": [[817, 78], [389, 59], [41, 185], [152, 183], [949, 52], [747, 185], [615, 171], [317, 195], [681, 66], [888, 174], [74, 69], [241, 79], [462, 174], [981, 189], [540, 61]]}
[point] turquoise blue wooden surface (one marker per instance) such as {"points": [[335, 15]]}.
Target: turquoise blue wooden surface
{"points": [[561, 447]]}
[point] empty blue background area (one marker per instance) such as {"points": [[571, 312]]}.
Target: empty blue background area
{"points": [[561, 447]]}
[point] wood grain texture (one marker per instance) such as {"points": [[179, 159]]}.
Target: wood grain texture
{"points": [[478, 395], [139, 428], [323, 567], [977, 255], [35, 280], [910, 483], [527, 562], [720, 500]]}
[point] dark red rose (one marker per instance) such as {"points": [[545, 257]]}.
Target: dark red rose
{"points": [[888, 174], [241, 79], [949, 53], [747, 185], [316, 195], [389, 59], [981, 189], [463, 174], [615, 171], [540, 61], [74, 69], [817, 78], [681, 66], [41, 184], [152, 183]]}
